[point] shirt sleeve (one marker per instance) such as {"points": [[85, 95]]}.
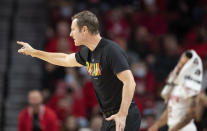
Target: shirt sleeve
{"points": [[117, 59], [82, 55], [194, 80], [188, 92], [192, 86]]}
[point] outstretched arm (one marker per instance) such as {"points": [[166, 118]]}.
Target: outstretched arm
{"points": [[189, 115], [61, 59]]}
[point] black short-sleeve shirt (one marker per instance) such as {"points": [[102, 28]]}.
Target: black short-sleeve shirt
{"points": [[103, 64]]}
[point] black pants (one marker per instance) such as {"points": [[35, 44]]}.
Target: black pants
{"points": [[132, 122]]}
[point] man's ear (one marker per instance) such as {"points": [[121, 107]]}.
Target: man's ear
{"points": [[85, 29]]}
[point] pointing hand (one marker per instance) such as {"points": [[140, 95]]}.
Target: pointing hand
{"points": [[26, 48]]}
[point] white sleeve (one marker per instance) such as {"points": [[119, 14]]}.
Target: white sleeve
{"points": [[192, 86], [194, 80], [190, 92]]}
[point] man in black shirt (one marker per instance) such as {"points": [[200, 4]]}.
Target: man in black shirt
{"points": [[108, 67]]}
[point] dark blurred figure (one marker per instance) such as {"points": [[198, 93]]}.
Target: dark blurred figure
{"points": [[145, 80], [90, 99], [145, 86], [96, 123], [197, 39], [68, 102], [133, 57], [165, 59], [116, 23], [180, 14], [151, 18], [148, 119], [37, 116], [61, 42], [141, 42], [71, 124]]}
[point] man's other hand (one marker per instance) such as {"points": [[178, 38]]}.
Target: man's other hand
{"points": [[120, 121]]}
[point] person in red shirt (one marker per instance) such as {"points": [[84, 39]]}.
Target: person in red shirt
{"points": [[61, 42], [37, 117], [145, 90], [151, 18], [68, 103]]}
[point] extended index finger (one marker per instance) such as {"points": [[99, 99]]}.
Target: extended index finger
{"points": [[21, 43]]}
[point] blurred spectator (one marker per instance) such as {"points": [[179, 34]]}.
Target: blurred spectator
{"points": [[145, 86], [117, 24], [141, 42], [68, 103], [69, 98], [151, 18], [83, 75], [167, 57], [145, 80], [66, 9], [148, 119], [60, 9], [37, 117], [61, 42], [52, 74], [96, 123], [161, 5], [132, 56], [180, 16], [71, 124], [90, 99], [197, 40], [71, 78]]}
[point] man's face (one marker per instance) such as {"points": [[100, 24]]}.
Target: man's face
{"points": [[76, 34]]}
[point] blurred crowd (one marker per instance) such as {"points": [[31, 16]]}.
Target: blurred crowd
{"points": [[153, 33]]}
